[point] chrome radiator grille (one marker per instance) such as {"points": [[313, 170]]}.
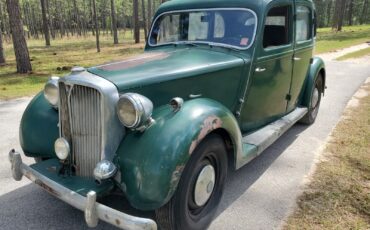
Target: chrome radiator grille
{"points": [[80, 119]]}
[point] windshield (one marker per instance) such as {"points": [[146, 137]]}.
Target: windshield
{"points": [[224, 27]]}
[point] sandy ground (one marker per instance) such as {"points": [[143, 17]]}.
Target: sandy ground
{"points": [[331, 56]]}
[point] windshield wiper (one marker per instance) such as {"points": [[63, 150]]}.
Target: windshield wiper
{"points": [[185, 43], [212, 44]]}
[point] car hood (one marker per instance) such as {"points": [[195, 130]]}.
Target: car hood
{"points": [[159, 66]]}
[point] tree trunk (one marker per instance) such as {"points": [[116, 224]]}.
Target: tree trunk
{"points": [[77, 17], [144, 19], [2, 55], [150, 10], [350, 13], [342, 11], [136, 21], [335, 14], [19, 42], [114, 22], [96, 27], [45, 24], [50, 20], [328, 12], [340, 6], [363, 17]]}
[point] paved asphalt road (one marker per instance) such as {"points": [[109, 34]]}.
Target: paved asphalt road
{"points": [[258, 196]]}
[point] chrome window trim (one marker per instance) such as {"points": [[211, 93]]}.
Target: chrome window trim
{"points": [[112, 129], [199, 42]]}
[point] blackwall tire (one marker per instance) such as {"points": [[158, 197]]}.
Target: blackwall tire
{"points": [[185, 210], [314, 106]]}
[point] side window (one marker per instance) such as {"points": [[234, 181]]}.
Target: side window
{"points": [[276, 31], [303, 24]]}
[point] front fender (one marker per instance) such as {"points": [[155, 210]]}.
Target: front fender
{"points": [[317, 66], [151, 162], [39, 128]]}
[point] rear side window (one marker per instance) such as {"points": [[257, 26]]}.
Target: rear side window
{"points": [[277, 29], [303, 24]]}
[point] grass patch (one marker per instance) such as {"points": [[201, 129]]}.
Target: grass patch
{"points": [[338, 196], [357, 54], [328, 40], [58, 60]]}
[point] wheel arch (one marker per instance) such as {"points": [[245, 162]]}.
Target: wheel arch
{"points": [[316, 69], [231, 147]]}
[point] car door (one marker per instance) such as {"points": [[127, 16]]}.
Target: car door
{"points": [[270, 81], [303, 49]]}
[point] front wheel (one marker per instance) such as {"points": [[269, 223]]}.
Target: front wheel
{"points": [[200, 189], [313, 108]]}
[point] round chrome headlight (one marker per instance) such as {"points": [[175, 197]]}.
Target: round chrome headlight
{"points": [[51, 91], [134, 110], [61, 147]]}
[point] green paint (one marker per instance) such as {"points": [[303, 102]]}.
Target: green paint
{"points": [[82, 186], [151, 162], [38, 130]]}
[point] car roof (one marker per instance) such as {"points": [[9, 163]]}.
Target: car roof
{"points": [[255, 5]]}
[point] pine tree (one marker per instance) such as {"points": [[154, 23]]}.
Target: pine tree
{"points": [[45, 23], [19, 42], [114, 22], [2, 55]]}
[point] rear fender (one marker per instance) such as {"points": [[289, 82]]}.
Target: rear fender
{"points": [[317, 66]]}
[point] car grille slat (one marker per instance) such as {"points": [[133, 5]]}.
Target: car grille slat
{"points": [[80, 116]]}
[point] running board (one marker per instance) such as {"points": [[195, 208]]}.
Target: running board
{"points": [[255, 143]]}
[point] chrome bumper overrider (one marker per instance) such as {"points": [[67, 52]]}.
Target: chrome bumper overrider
{"points": [[92, 209]]}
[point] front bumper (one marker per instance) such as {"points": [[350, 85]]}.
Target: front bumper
{"points": [[92, 209]]}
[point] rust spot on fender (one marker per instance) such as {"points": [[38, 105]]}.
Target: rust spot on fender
{"points": [[210, 123], [175, 178]]}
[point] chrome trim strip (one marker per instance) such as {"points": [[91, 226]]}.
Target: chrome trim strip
{"points": [[92, 209], [212, 43]]}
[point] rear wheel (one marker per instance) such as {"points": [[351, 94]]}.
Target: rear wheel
{"points": [[313, 108], [200, 189]]}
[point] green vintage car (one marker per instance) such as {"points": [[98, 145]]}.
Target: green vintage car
{"points": [[219, 82]]}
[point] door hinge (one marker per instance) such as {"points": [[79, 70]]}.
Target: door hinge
{"points": [[288, 97]]}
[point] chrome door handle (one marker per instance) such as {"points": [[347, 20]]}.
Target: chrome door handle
{"points": [[259, 69], [296, 59]]}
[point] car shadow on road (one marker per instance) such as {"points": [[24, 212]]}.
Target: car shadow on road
{"points": [[241, 180], [30, 207]]}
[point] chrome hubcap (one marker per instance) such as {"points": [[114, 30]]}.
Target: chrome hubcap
{"points": [[204, 185], [315, 98]]}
